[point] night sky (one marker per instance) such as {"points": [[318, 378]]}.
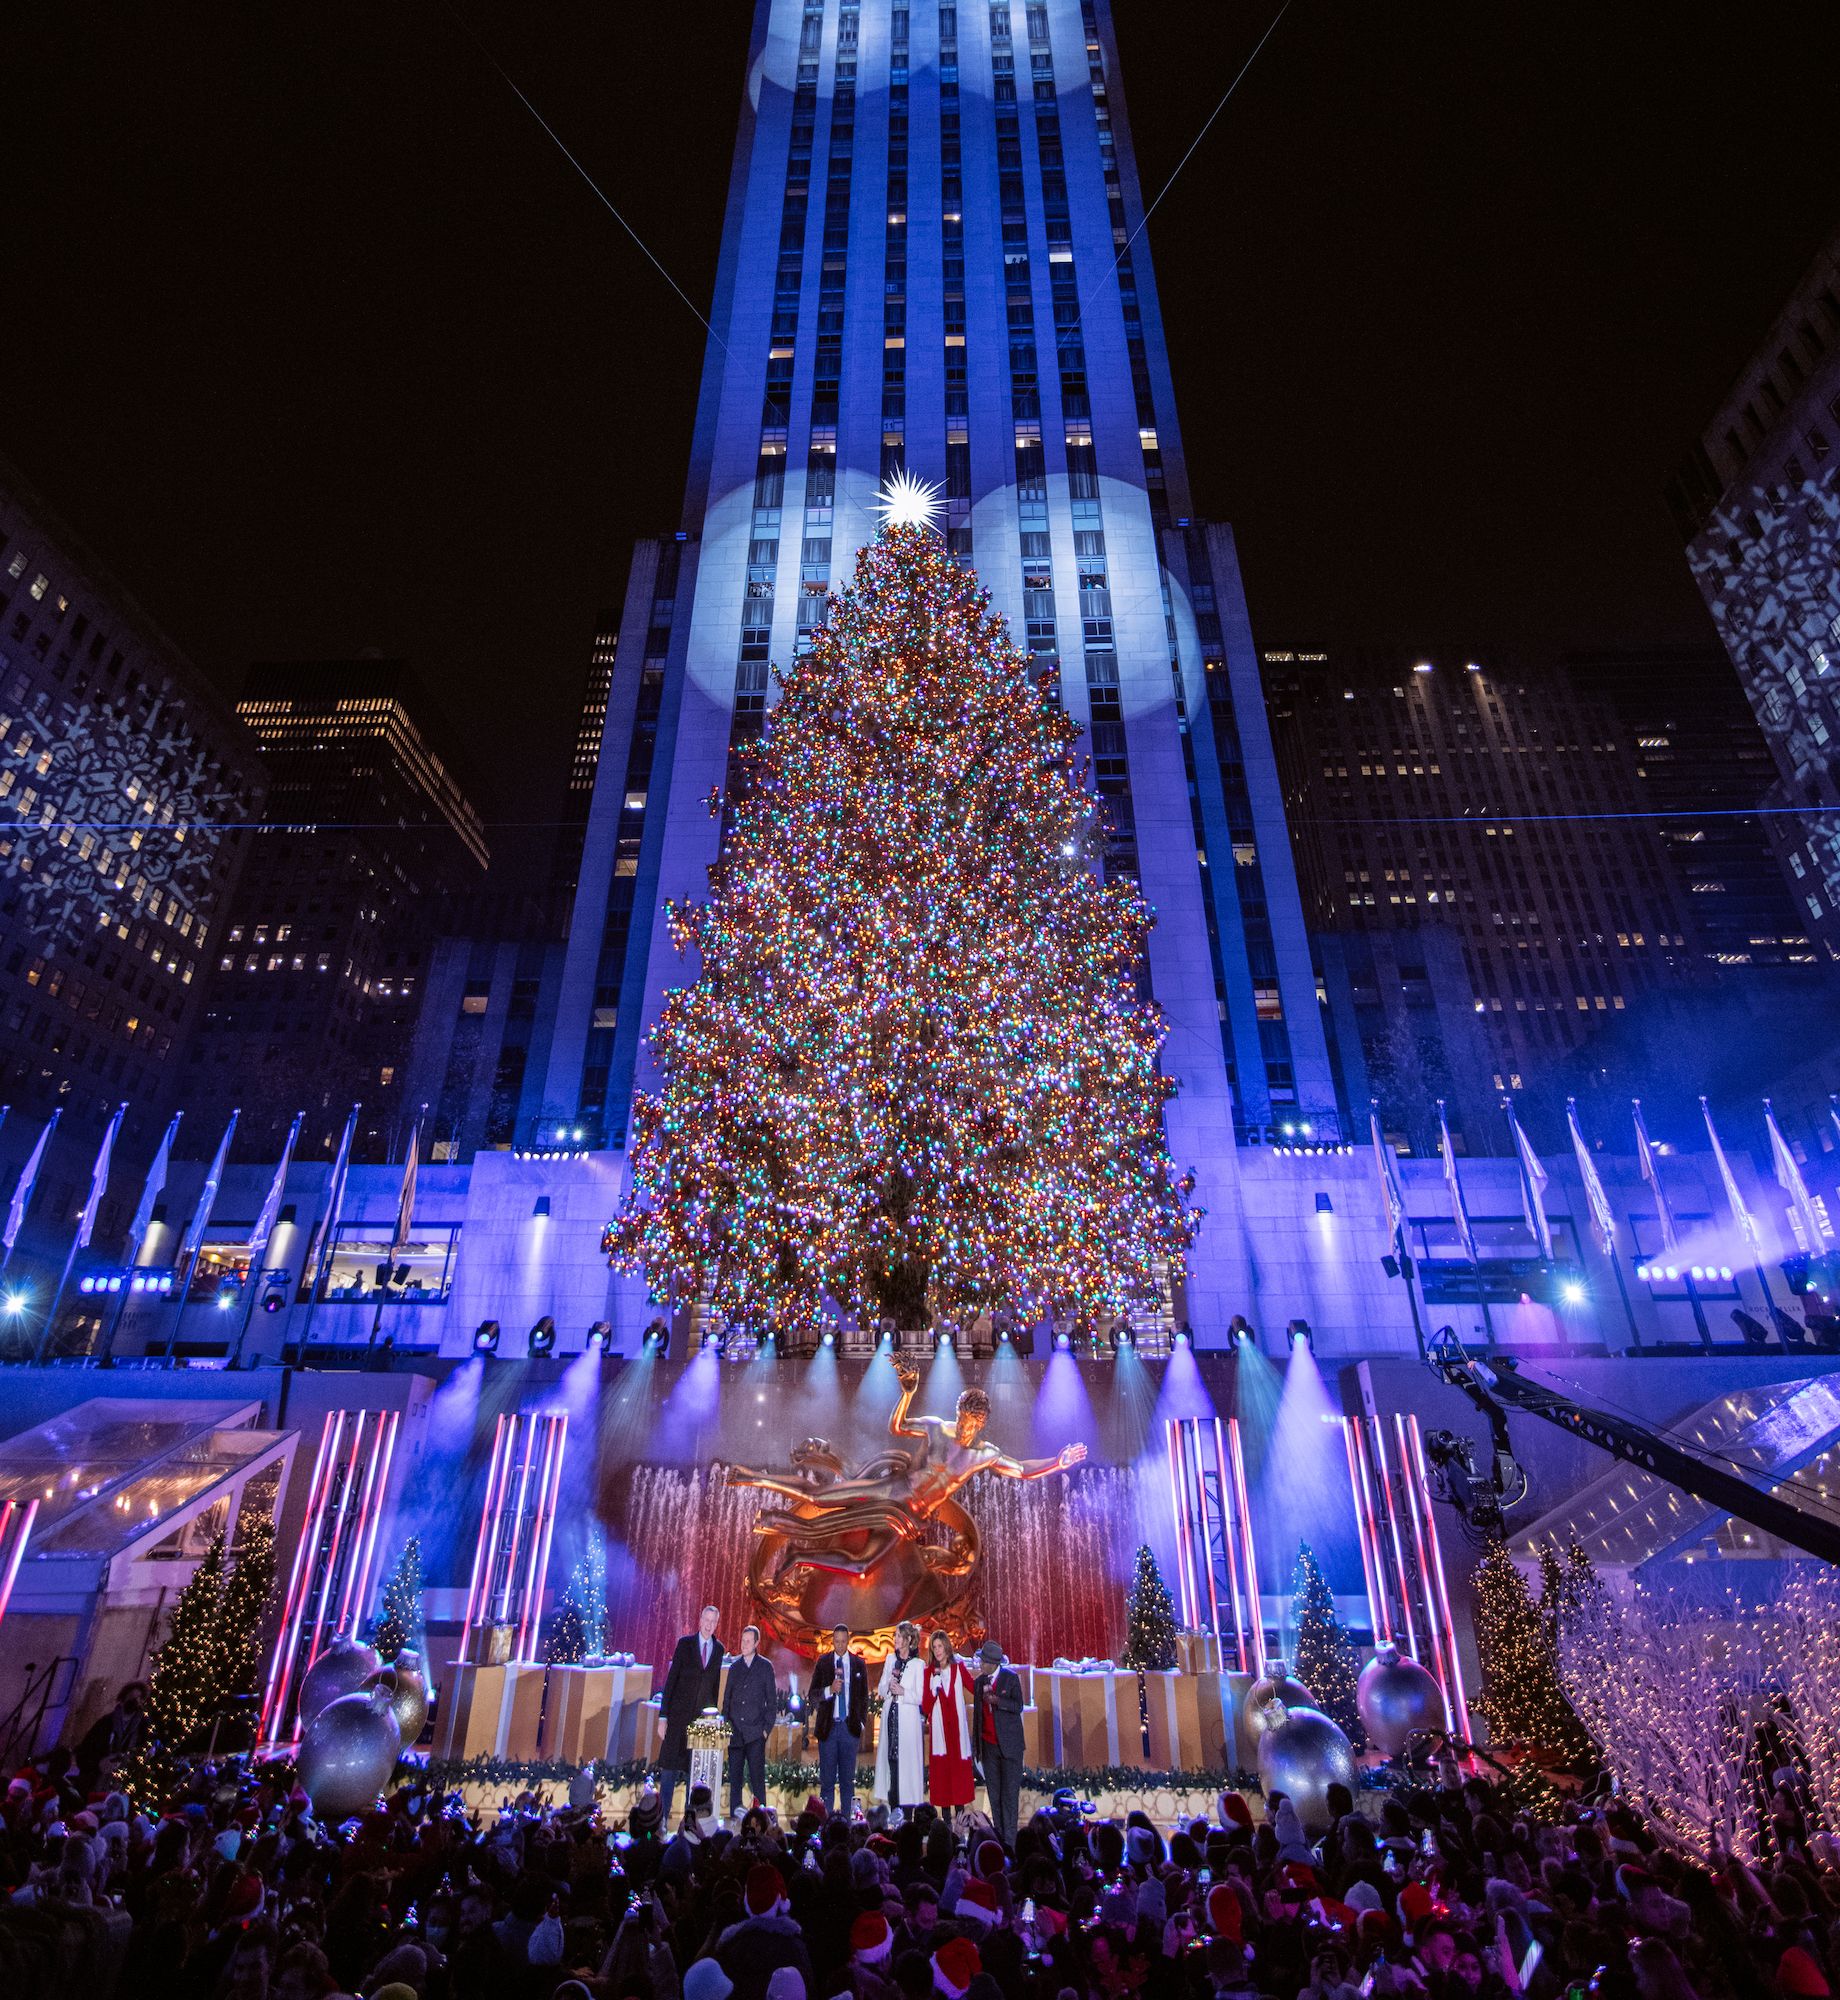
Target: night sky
{"points": [[315, 337]]}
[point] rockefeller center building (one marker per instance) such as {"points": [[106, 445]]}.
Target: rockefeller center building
{"points": [[931, 261]]}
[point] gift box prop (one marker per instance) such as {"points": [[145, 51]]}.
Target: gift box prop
{"points": [[1090, 1716], [1195, 1722], [1401, 1559], [594, 1711], [494, 1698], [335, 1558]]}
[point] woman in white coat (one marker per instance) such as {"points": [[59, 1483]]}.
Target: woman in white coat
{"points": [[903, 1681]]}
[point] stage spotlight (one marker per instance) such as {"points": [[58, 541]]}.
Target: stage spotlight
{"points": [[543, 1337], [829, 1340], [485, 1340], [1184, 1338], [1298, 1334], [1003, 1336], [1788, 1328], [1064, 1342], [600, 1337], [273, 1302], [1124, 1336], [658, 1337], [943, 1338], [1572, 1292], [1755, 1333], [1324, 1206], [1239, 1330], [540, 1206], [16, 1303]]}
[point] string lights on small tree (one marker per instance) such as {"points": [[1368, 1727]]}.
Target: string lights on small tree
{"points": [[912, 1075], [1522, 1697], [578, 1631], [1325, 1657], [401, 1623], [1150, 1618]]}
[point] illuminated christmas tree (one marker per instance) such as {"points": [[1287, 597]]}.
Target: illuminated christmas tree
{"points": [[1325, 1661], [913, 1074], [242, 1608], [187, 1677], [401, 1624], [578, 1631], [1150, 1618], [1522, 1698]]}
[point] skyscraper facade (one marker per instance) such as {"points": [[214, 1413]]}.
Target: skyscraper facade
{"points": [[932, 260]]}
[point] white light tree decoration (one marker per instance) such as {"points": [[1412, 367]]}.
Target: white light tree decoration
{"points": [[104, 819], [1674, 1691], [1809, 1609]]}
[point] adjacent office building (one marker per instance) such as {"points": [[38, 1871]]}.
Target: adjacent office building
{"points": [[929, 263], [1493, 802], [372, 841], [1758, 503]]}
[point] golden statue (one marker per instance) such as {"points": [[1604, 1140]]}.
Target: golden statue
{"points": [[889, 1542]]}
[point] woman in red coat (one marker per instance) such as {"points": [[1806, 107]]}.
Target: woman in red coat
{"points": [[945, 1702]]}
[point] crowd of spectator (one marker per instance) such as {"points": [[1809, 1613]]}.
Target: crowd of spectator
{"points": [[1438, 1890]]}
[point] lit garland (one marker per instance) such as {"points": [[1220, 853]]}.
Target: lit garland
{"points": [[1324, 1654], [913, 1073]]}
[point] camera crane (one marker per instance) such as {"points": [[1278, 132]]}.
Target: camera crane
{"points": [[1497, 1391]]}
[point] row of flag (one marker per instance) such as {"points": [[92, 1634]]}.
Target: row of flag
{"points": [[1811, 1229], [193, 1234]]}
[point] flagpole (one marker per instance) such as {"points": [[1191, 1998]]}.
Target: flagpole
{"points": [[258, 1253], [1734, 1196], [323, 1263], [57, 1299], [200, 1222], [399, 1234], [1468, 1228]]}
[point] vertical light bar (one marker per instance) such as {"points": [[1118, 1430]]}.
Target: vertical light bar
{"points": [[526, 1427], [281, 1665], [1172, 1431], [336, 1549], [1389, 1500], [387, 1446], [350, 1603], [1207, 1545], [1364, 1529], [1254, 1605], [1229, 1542], [479, 1588], [1441, 1606], [1409, 1491], [543, 1429], [15, 1526], [556, 1443]]}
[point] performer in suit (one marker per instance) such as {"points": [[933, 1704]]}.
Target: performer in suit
{"points": [[996, 1729], [690, 1686], [901, 1779], [839, 1706], [749, 1705]]}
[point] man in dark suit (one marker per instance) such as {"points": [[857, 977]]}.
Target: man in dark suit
{"points": [[692, 1684], [749, 1705], [996, 1736], [839, 1708]]}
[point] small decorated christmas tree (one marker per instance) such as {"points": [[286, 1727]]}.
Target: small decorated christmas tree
{"points": [[188, 1670], [578, 1630], [1522, 1698], [401, 1624], [1325, 1661], [1150, 1618]]}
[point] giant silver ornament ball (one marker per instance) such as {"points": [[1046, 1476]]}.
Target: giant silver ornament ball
{"points": [[409, 1701], [1397, 1699], [342, 1667], [348, 1753], [1302, 1756], [1278, 1684]]}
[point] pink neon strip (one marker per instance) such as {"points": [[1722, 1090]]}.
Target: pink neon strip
{"points": [[1409, 1486], [1358, 1431], [350, 1576], [1171, 1430], [376, 1502], [528, 1429], [300, 1582], [1228, 1543], [1448, 1631], [1254, 1604], [475, 1600], [1364, 1527], [15, 1527], [533, 1602], [336, 1552], [1207, 1552], [544, 1429], [1383, 1481]]}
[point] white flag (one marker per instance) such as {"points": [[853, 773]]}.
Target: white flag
{"points": [[1601, 1211], [1465, 1235], [207, 1196], [1802, 1211], [98, 1180], [265, 1222], [405, 1205], [1533, 1183], [151, 1190], [335, 1200], [1651, 1172], [28, 1179], [1745, 1220], [1390, 1189]]}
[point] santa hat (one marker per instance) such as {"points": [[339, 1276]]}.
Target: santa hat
{"points": [[1375, 1927], [765, 1892], [244, 1902], [1234, 1811], [1797, 1974], [989, 1859], [871, 1940], [815, 1807], [1226, 1914], [1297, 1881], [1414, 1903], [955, 1965], [978, 1901]]}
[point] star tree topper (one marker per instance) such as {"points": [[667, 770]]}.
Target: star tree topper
{"points": [[907, 502]]}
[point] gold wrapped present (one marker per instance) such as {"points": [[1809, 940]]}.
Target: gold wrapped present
{"points": [[1095, 1723], [579, 1715], [490, 1711], [1198, 1653]]}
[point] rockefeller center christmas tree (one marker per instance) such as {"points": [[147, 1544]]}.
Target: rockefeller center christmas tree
{"points": [[1150, 1618], [1325, 1661], [912, 1074]]}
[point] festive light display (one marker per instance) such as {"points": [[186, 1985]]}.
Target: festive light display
{"points": [[579, 1628], [16, 1517], [913, 1074], [1150, 1618], [401, 1623], [1324, 1655], [1207, 1490], [1522, 1697], [511, 1556]]}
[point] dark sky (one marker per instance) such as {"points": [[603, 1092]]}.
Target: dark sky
{"points": [[322, 345]]}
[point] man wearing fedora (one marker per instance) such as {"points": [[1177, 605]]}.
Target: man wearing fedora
{"points": [[996, 1737]]}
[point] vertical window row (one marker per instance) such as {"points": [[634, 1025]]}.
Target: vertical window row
{"points": [[894, 257], [952, 251], [1127, 276]]}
